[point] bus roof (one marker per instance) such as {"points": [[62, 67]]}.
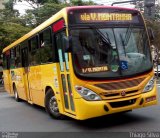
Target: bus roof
{"points": [[58, 15], [98, 6]]}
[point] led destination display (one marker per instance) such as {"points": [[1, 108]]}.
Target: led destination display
{"points": [[109, 16], [105, 17]]}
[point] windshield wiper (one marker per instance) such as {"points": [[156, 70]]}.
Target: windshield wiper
{"points": [[128, 34], [123, 44], [104, 38], [126, 38]]}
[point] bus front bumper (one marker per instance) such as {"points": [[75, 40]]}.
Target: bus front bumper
{"points": [[89, 109]]}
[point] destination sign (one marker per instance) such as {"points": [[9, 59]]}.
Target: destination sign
{"points": [[105, 17], [95, 69], [109, 16]]}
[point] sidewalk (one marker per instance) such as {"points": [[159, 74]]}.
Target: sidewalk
{"points": [[2, 89]]}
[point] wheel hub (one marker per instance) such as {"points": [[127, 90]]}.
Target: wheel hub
{"points": [[53, 105]]}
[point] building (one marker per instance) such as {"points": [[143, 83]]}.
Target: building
{"points": [[1, 3]]}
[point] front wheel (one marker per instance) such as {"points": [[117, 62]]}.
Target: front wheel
{"points": [[51, 105]]}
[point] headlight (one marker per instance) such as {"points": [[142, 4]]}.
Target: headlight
{"points": [[149, 85], [87, 94]]}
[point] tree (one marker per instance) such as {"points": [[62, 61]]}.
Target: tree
{"points": [[12, 26], [81, 2], [157, 13], [154, 23], [47, 8], [9, 32], [38, 3], [36, 16], [139, 5]]}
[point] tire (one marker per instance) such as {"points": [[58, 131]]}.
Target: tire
{"points": [[51, 105], [16, 96]]}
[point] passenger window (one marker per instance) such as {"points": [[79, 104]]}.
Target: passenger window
{"points": [[34, 44], [17, 57], [46, 46], [34, 56], [6, 60], [12, 59]]}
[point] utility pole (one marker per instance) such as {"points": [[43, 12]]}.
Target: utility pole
{"points": [[149, 9]]}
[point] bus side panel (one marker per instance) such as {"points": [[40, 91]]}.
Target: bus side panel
{"points": [[47, 78], [35, 86], [6, 79], [50, 78]]}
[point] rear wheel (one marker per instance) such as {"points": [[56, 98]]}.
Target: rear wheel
{"points": [[16, 96], [51, 105]]}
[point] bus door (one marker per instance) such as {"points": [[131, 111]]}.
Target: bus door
{"points": [[64, 82], [25, 65]]}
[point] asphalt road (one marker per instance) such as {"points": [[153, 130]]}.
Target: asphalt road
{"points": [[23, 117]]}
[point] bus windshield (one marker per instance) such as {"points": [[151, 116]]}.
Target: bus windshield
{"points": [[110, 52]]}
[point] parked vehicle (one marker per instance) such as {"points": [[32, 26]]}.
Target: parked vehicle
{"points": [[157, 69]]}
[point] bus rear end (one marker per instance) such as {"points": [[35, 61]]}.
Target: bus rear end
{"points": [[110, 60]]}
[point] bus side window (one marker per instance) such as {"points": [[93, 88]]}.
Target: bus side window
{"points": [[6, 60], [17, 57], [12, 58], [46, 46], [34, 56], [24, 54]]}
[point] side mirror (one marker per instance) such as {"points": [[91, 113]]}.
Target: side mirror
{"points": [[66, 42], [151, 34]]}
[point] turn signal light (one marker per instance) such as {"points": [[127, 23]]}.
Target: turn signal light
{"points": [[152, 98]]}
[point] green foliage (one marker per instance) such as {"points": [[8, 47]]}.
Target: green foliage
{"points": [[36, 16], [81, 2], [47, 8], [38, 3], [9, 32], [12, 26], [9, 5]]}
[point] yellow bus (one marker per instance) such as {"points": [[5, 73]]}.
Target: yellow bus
{"points": [[83, 62]]}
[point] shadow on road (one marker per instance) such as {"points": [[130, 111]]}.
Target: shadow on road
{"points": [[108, 121]]}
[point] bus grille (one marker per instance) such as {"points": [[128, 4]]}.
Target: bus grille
{"points": [[128, 93], [122, 103], [119, 94], [120, 84]]}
